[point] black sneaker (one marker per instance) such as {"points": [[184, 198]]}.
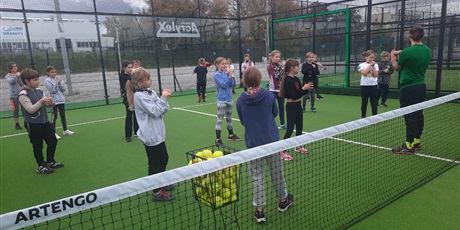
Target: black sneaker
{"points": [[17, 127], [162, 196], [303, 108], [404, 150], [44, 170], [128, 139], [416, 146], [384, 105], [234, 137], [54, 165], [319, 97], [219, 143], [259, 216], [283, 206], [313, 109]]}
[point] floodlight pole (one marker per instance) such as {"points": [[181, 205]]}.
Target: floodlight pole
{"points": [[442, 31]]}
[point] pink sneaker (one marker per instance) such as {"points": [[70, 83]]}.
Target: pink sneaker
{"points": [[285, 156], [301, 149]]}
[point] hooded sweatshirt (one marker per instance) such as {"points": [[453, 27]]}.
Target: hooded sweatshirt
{"points": [[149, 114], [257, 112]]}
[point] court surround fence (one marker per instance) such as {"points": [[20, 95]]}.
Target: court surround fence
{"points": [[97, 35]]}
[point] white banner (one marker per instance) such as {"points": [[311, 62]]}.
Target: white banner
{"points": [[173, 29], [13, 32]]}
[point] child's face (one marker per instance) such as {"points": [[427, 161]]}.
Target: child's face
{"points": [[295, 69], [276, 58], [311, 59], [136, 65], [370, 58], [222, 66], [32, 83], [128, 69], [14, 68], [147, 83], [52, 73], [384, 57], [246, 58]]}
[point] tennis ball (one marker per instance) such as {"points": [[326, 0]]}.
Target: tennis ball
{"points": [[207, 153], [233, 189], [233, 198], [218, 200], [200, 154], [198, 191], [227, 183], [225, 193], [217, 154]]}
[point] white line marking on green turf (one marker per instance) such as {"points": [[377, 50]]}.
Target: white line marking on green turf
{"points": [[335, 138], [83, 123], [235, 119], [385, 148]]}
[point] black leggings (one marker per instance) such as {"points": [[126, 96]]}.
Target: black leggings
{"points": [[414, 121], [157, 159], [294, 115], [61, 108], [368, 93], [130, 122]]}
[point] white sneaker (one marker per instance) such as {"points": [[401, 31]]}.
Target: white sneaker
{"points": [[67, 132], [57, 136]]}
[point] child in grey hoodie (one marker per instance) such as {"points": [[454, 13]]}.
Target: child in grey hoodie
{"points": [[16, 86], [56, 88], [149, 114]]}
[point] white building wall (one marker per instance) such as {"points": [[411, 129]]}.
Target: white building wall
{"points": [[44, 32]]}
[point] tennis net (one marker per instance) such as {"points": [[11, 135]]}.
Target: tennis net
{"points": [[349, 173]]}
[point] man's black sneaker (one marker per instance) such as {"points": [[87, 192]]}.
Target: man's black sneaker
{"points": [[283, 206], [385, 105], [259, 216], [319, 97], [44, 170], [128, 139], [17, 127], [404, 150], [313, 109]]}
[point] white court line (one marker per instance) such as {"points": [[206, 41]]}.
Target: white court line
{"points": [[338, 139], [235, 119]]}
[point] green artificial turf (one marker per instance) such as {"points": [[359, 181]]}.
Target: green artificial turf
{"points": [[97, 156]]}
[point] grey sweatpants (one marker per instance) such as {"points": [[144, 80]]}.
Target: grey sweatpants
{"points": [[256, 170]]}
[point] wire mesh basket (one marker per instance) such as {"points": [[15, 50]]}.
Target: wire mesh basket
{"points": [[216, 189]]}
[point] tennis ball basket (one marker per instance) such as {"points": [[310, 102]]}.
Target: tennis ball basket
{"points": [[216, 189]]}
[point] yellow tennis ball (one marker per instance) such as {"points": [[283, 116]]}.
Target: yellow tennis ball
{"points": [[217, 154], [207, 153]]}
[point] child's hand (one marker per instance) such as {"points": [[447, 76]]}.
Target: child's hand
{"points": [[58, 80], [313, 65], [386, 70], [372, 63], [308, 86], [166, 93]]}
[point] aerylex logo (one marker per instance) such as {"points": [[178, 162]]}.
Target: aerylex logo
{"points": [[180, 30]]}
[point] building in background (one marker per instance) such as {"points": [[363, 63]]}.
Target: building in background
{"points": [[80, 35]]}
